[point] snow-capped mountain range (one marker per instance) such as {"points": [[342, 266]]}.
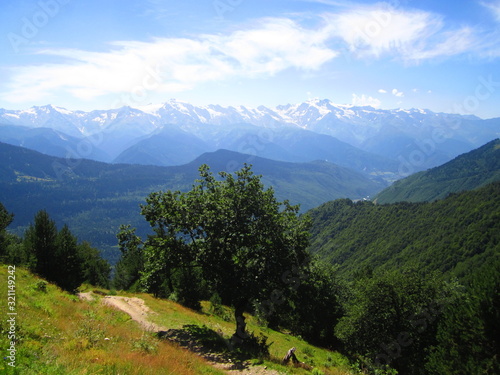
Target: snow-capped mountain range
{"points": [[308, 115], [176, 132]]}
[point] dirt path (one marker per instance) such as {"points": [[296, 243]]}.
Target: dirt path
{"points": [[138, 311], [136, 308]]}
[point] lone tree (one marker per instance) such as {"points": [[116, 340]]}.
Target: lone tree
{"points": [[245, 243]]}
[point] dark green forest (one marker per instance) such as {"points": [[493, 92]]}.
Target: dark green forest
{"points": [[405, 288], [95, 198], [53, 254], [466, 172], [409, 288], [454, 236]]}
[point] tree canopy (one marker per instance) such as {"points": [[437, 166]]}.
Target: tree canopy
{"points": [[5, 220], [233, 232], [54, 255]]}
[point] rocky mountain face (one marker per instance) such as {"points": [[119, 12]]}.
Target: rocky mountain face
{"points": [[387, 144]]}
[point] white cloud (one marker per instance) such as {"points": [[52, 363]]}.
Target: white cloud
{"points": [[397, 93], [494, 7], [364, 100], [373, 31], [276, 45], [169, 65], [382, 91], [268, 47], [447, 44]]}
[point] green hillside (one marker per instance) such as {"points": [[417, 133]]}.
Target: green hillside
{"points": [[56, 333], [94, 198], [455, 235], [466, 172], [411, 288]]}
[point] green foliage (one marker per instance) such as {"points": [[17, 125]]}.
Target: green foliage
{"points": [[131, 263], [187, 287], [5, 220], [218, 309], [95, 270], [147, 344], [313, 306], [12, 250], [391, 319], [468, 335], [68, 263], [40, 240], [17, 253], [466, 172], [90, 332], [56, 255], [40, 286], [239, 237], [455, 235]]}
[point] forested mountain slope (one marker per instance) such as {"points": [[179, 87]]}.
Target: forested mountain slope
{"points": [[95, 198], [466, 172], [454, 235]]}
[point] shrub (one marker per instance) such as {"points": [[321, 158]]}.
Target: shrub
{"points": [[146, 344], [40, 286]]}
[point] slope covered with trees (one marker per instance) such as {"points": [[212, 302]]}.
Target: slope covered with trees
{"points": [[422, 281], [94, 198], [53, 254], [466, 172], [453, 235], [389, 300], [411, 288]]}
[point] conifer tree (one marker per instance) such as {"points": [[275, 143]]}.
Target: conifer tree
{"points": [[5, 220], [40, 240], [67, 271]]}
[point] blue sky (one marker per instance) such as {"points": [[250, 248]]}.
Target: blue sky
{"points": [[439, 55]]}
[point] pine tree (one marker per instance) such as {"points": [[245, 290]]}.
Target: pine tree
{"points": [[5, 220], [67, 271], [40, 240]]}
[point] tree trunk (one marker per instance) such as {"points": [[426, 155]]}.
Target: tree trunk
{"points": [[240, 335], [290, 355]]}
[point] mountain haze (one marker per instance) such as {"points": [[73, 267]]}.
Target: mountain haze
{"points": [[466, 172], [381, 143], [95, 198]]}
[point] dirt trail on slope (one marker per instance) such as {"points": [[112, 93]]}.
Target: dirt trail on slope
{"points": [[136, 308], [138, 311]]}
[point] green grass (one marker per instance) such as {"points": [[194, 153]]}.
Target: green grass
{"points": [[173, 315], [59, 334]]}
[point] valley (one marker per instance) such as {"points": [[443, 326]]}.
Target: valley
{"points": [[396, 230]]}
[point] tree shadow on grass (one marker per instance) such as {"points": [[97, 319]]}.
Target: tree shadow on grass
{"points": [[212, 345]]}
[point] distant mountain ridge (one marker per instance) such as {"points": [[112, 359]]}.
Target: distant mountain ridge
{"points": [[313, 115], [466, 172], [94, 198], [395, 136]]}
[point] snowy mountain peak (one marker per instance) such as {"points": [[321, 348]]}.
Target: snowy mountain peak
{"points": [[176, 132], [352, 124]]}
